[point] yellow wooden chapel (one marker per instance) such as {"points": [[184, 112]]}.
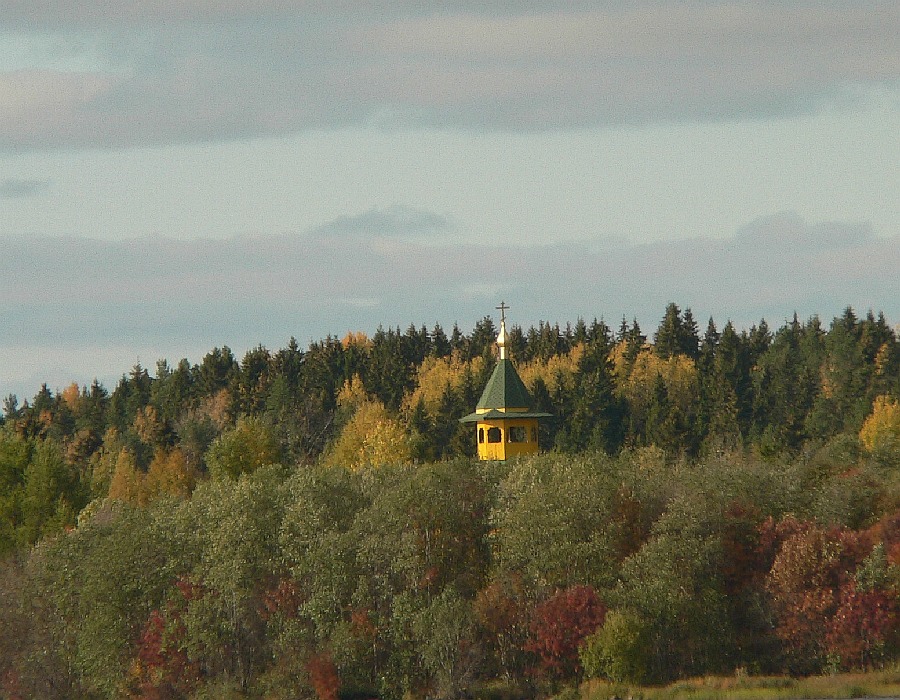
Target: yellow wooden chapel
{"points": [[505, 424]]}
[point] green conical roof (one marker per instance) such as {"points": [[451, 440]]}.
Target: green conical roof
{"points": [[503, 392], [505, 389]]}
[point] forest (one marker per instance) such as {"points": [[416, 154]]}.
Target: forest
{"points": [[311, 523]]}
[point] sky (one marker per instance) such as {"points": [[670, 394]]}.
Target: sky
{"points": [[182, 175]]}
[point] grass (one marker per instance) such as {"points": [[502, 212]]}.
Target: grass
{"points": [[743, 687]]}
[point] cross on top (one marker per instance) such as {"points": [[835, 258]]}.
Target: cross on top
{"points": [[502, 309]]}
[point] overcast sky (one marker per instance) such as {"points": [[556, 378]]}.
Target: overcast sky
{"points": [[181, 175]]}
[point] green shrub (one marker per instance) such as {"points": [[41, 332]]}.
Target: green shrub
{"points": [[618, 650]]}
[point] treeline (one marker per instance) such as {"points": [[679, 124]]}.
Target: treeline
{"points": [[460, 579], [725, 447], [397, 396]]}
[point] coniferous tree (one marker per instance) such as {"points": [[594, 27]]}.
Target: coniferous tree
{"points": [[440, 344], [531, 344], [253, 379], [874, 334], [422, 433], [843, 402], [447, 415], [634, 341], [688, 339], [706, 361], [547, 342], [784, 388], [722, 375], [880, 350], [458, 341], [760, 338], [415, 345], [580, 332], [562, 402], [597, 415], [541, 401], [516, 344], [707, 355], [11, 409], [667, 341], [390, 373], [287, 363], [217, 371], [482, 339], [52, 493], [658, 429], [623, 330], [733, 367]]}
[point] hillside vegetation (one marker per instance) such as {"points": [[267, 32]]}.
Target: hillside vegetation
{"points": [[309, 523]]}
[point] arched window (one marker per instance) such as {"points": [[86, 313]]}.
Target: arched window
{"points": [[494, 435], [480, 435], [517, 434]]}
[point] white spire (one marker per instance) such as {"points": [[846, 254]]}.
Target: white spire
{"points": [[501, 336]]}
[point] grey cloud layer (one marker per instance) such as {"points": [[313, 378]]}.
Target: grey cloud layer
{"points": [[249, 290], [14, 188], [186, 71]]}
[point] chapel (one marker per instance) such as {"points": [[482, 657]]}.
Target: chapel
{"points": [[506, 425]]}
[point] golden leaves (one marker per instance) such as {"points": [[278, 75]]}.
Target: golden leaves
{"points": [[370, 438], [435, 375], [882, 428], [678, 372], [167, 475]]}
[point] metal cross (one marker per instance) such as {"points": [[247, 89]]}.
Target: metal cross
{"points": [[502, 309]]}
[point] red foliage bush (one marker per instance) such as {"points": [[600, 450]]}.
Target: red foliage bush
{"points": [[888, 531], [161, 669], [323, 676], [811, 591], [9, 686], [361, 624], [558, 626], [283, 599], [864, 623]]}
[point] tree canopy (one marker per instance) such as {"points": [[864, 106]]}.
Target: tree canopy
{"points": [[310, 522]]}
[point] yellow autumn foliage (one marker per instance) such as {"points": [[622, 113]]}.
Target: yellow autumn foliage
{"points": [[217, 408], [147, 425], [352, 395], [104, 462], [621, 368], [167, 475], [881, 359], [243, 449], [559, 369], [371, 438], [678, 372], [70, 395], [433, 377], [126, 483], [881, 430], [357, 338]]}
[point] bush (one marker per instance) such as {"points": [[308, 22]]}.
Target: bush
{"points": [[618, 650], [559, 625]]}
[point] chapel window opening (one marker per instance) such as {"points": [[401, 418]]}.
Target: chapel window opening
{"points": [[517, 433]]}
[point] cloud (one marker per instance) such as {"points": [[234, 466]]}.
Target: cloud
{"points": [[148, 296], [15, 188], [92, 12], [175, 72], [394, 222]]}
